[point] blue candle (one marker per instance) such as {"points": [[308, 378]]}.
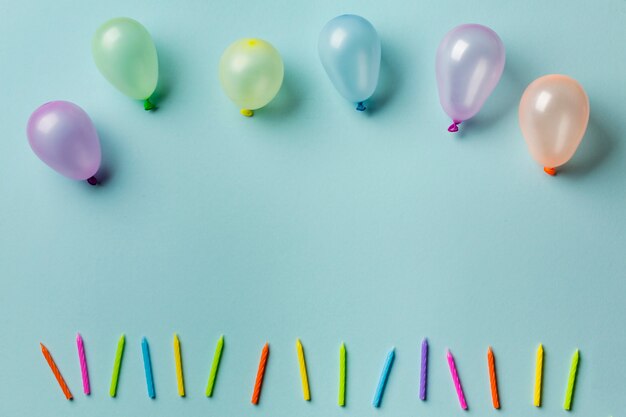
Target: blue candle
{"points": [[148, 367], [382, 382]]}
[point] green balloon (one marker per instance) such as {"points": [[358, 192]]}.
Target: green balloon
{"points": [[125, 54], [251, 73]]}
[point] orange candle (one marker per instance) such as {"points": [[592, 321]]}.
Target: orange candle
{"points": [[493, 379], [259, 375], [56, 372]]}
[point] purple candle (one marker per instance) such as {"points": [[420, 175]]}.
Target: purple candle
{"points": [[424, 370]]}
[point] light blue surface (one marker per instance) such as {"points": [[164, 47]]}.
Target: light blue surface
{"points": [[312, 220]]}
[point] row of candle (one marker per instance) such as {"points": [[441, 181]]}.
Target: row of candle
{"points": [[341, 400]]}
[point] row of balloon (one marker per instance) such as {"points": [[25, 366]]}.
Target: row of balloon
{"points": [[553, 112]]}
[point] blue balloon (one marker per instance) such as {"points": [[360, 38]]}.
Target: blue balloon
{"points": [[349, 49]]}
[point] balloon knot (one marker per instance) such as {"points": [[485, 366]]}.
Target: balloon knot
{"points": [[360, 106], [148, 105], [92, 180], [247, 112], [454, 127], [550, 171]]}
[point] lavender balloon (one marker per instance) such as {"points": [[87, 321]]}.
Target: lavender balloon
{"points": [[62, 135], [470, 61]]}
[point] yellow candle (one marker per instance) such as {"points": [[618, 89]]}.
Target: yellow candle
{"points": [[179, 366], [303, 375], [538, 376]]}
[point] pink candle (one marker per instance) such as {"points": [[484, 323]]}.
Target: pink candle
{"points": [[457, 381], [83, 363]]}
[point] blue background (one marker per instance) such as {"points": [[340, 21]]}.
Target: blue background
{"points": [[312, 220]]}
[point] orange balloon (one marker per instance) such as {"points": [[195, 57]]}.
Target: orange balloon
{"points": [[553, 116]]}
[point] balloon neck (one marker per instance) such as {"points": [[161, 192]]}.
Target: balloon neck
{"points": [[360, 106], [454, 127], [92, 180], [247, 112], [148, 105], [550, 171]]}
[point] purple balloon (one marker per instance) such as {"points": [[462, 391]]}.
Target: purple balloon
{"points": [[62, 135], [470, 61]]}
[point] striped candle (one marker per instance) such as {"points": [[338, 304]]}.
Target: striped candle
{"points": [[178, 361], [256, 394], [306, 393], [83, 363], [457, 381], [424, 370], [341, 397], [56, 372], [538, 377], [117, 364], [147, 366], [384, 376], [493, 380], [571, 381], [214, 366]]}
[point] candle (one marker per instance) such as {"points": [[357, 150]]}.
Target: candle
{"points": [[495, 398], [342, 376], [303, 374], [384, 376], [147, 366], [56, 372], [214, 366], [117, 365], [538, 376], [457, 381], [571, 381], [260, 373], [179, 367], [424, 370], [83, 363]]}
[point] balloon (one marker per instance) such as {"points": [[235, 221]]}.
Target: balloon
{"points": [[349, 49], [62, 135], [125, 54], [251, 73], [553, 116], [470, 61]]}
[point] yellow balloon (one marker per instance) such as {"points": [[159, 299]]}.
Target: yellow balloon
{"points": [[251, 73], [553, 116]]}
